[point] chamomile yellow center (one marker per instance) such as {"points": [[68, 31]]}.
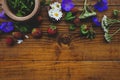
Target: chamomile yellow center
{"points": [[58, 5], [56, 14]]}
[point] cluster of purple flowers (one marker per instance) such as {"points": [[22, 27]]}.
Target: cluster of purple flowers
{"points": [[67, 5], [6, 27], [100, 6]]}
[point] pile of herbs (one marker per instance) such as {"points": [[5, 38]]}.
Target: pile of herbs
{"points": [[21, 7]]}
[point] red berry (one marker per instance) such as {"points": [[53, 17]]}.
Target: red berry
{"points": [[36, 33], [52, 30], [9, 41], [74, 10], [18, 35], [39, 18]]}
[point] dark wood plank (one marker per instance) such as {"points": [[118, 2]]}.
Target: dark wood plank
{"points": [[79, 51], [32, 70]]}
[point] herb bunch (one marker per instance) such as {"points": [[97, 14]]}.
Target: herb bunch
{"points": [[21, 7]]}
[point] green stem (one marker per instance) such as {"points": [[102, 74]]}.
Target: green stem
{"points": [[115, 32], [111, 22], [85, 5], [114, 20]]}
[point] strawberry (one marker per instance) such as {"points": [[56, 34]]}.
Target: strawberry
{"points": [[9, 41], [36, 33], [52, 30], [76, 21], [40, 19], [18, 35], [74, 10]]}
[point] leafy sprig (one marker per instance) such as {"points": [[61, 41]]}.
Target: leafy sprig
{"points": [[88, 32], [106, 24], [87, 12], [69, 16], [21, 7], [116, 12]]}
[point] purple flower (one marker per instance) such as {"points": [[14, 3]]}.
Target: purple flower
{"points": [[95, 21], [7, 27], [2, 15], [67, 5], [10, 23], [101, 5]]}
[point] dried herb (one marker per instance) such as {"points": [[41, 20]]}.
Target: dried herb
{"points": [[72, 27], [23, 27], [87, 12], [106, 24], [116, 13], [108, 37], [88, 32]]}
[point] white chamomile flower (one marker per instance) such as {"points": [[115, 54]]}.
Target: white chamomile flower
{"points": [[50, 13], [56, 5], [56, 14]]}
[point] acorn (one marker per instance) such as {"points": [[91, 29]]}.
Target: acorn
{"points": [[18, 35], [76, 21], [36, 33]]}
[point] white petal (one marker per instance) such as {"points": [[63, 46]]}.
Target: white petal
{"points": [[26, 36], [19, 41]]}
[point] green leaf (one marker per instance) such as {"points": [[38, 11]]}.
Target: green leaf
{"points": [[72, 27], [83, 29], [19, 14], [48, 3], [115, 12], [69, 16], [43, 2], [24, 29]]}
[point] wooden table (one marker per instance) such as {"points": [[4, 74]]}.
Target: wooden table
{"points": [[44, 59]]}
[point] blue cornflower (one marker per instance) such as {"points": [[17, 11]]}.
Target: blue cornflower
{"points": [[95, 21], [67, 5], [101, 5], [7, 27], [2, 15]]}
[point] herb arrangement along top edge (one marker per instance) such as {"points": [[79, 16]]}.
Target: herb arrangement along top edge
{"points": [[67, 11]]}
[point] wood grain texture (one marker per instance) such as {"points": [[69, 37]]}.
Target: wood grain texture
{"points": [[44, 59], [30, 70]]}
